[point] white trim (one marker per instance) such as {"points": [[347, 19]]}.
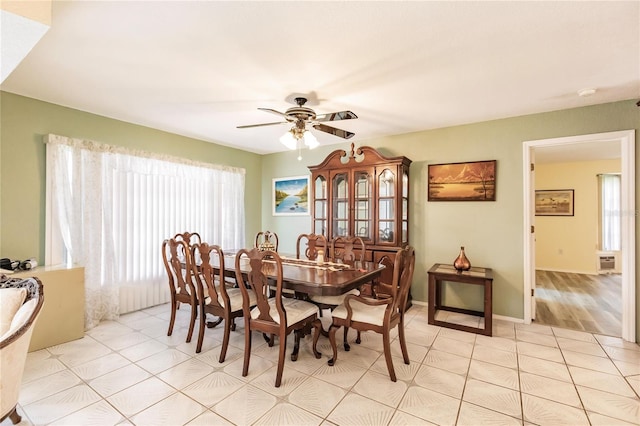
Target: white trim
{"points": [[628, 231], [626, 138], [494, 316]]}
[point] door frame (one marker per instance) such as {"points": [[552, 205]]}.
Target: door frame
{"points": [[626, 138]]}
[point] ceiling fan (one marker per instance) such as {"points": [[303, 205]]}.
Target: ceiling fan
{"points": [[300, 116]]}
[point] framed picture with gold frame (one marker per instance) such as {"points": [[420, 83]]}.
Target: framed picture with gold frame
{"points": [[470, 181], [554, 202]]}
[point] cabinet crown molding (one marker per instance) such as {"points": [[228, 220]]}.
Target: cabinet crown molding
{"points": [[362, 155]]}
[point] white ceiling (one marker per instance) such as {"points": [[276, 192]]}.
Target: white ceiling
{"points": [[200, 69]]}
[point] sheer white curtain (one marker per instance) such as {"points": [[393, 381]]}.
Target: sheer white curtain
{"points": [[610, 213], [113, 207]]}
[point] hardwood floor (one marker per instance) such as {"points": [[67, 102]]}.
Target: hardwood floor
{"points": [[591, 303]]}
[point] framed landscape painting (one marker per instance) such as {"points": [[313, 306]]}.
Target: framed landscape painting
{"points": [[290, 196], [471, 181], [554, 202]]}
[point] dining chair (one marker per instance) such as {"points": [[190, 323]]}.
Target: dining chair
{"points": [[214, 295], [382, 286], [276, 316], [343, 254], [189, 237], [342, 249], [314, 242], [176, 256], [380, 315], [267, 240]]}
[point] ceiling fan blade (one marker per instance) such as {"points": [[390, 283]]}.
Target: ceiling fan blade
{"points": [[273, 111], [335, 116], [246, 126], [333, 131]]}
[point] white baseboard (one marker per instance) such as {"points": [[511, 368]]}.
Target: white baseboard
{"points": [[494, 316]]}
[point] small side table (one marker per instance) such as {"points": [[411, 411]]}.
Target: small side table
{"points": [[475, 276]]}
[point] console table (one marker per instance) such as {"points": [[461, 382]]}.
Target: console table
{"points": [[62, 316], [475, 276]]}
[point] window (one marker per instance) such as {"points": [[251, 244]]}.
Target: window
{"points": [[610, 212], [109, 209]]}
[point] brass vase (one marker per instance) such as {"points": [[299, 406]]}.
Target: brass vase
{"points": [[462, 263]]}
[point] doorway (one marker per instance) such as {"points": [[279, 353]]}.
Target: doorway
{"points": [[626, 140]]}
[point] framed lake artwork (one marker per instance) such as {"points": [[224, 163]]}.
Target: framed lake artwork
{"points": [[470, 181], [554, 202], [291, 196]]}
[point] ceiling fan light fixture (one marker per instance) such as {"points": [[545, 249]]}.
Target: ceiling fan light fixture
{"points": [[310, 140], [300, 116], [289, 140]]}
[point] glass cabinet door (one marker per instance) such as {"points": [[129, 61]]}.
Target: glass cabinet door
{"points": [[386, 206], [362, 204], [340, 195], [320, 206]]}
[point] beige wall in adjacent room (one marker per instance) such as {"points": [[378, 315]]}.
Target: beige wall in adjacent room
{"points": [[492, 232], [569, 243], [39, 11], [23, 123]]}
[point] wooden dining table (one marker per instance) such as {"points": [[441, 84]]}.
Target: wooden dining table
{"points": [[306, 277]]}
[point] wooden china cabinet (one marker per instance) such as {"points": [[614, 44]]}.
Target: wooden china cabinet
{"points": [[364, 194]]}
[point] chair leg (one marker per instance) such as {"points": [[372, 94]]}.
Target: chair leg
{"points": [[332, 340], [347, 348], [225, 341], [173, 316], [386, 343], [192, 322], [14, 416], [317, 325], [281, 354], [403, 342], [358, 338], [247, 349], [201, 330], [296, 344]]}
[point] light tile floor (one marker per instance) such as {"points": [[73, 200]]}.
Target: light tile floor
{"points": [[130, 372]]}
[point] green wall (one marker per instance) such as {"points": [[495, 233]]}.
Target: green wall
{"points": [[492, 232], [23, 123]]}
